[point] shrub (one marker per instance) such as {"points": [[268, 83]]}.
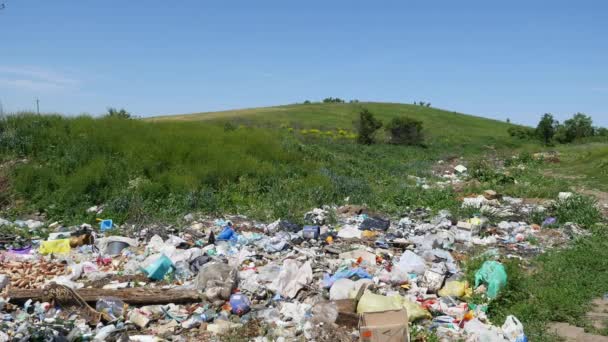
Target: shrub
{"points": [[405, 131], [579, 209], [578, 127], [366, 127], [521, 132], [333, 100], [115, 113]]}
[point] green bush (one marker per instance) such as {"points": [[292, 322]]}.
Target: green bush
{"points": [[521, 132], [366, 127], [405, 131], [118, 113], [579, 209]]}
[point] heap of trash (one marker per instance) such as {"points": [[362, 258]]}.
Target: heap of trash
{"points": [[347, 274]]}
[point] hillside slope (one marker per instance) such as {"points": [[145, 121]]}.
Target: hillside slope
{"points": [[438, 123]]}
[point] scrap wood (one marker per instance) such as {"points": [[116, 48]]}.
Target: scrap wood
{"points": [[135, 296]]}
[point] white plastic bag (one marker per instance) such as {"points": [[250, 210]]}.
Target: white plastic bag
{"points": [[410, 262], [513, 329], [341, 289]]}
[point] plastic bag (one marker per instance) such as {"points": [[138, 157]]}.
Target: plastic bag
{"points": [[217, 280], [328, 281], [113, 307], [158, 269], [370, 302], [61, 246], [410, 262], [415, 311], [513, 330], [240, 304], [494, 275], [455, 289], [341, 289], [478, 331], [325, 312], [226, 234], [292, 278]]}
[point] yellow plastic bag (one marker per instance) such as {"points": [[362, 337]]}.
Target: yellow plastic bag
{"points": [[370, 302], [61, 246], [415, 311], [455, 289], [369, 234]]}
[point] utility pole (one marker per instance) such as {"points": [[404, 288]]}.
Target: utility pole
{"points": [[37, 106]]}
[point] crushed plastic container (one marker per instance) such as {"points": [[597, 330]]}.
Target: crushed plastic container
{"points": [[311, 232], [158, 269], [105, 225]]}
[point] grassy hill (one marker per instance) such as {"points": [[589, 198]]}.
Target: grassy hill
{"points": [[268, 163], [441, 126]]}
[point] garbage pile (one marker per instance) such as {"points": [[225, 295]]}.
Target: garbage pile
{"points": [[347, 274]]}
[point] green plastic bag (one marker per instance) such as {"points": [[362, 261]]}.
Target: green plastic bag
{"points": [[493, 274]]}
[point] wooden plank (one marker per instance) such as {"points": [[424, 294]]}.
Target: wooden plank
{"points": [[135, 296]]}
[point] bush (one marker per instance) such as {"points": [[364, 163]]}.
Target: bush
{"points": [[366, 127], [579, 209], [115, 113], [405, 131], [333, 100], [578, 127], [520, 132]]}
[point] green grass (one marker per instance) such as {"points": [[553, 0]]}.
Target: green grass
{"points": [[442, 127], [587, 163], [560, 288], [250, 162], [164, 167]]}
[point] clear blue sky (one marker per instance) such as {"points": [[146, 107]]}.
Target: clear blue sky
{"points": [[501, 59]]}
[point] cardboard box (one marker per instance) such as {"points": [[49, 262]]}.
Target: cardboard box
{"points": [[384, 326]]}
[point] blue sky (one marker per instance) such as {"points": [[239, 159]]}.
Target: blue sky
{"points": [[509, 59]]}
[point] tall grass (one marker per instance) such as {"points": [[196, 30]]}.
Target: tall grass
{"points": [[142, 170]]}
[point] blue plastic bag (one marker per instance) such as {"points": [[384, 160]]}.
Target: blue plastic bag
{"points": [[328, 281], [228, 234], [158, 269], [240, 304]]}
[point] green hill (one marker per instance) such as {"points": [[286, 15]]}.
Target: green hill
{"points": [[267, 162], [440, 125]]}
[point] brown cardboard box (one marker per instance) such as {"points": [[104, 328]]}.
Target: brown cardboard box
{"points": [[384, 326]]}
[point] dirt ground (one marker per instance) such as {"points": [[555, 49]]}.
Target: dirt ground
{"points": [[597, 317]]}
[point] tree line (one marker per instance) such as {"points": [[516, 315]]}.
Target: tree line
{"points": [[549, 130]]}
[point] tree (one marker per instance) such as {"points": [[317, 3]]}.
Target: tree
{"points": [[602, 131], [333, 100], [121, 114], [508, 120], [307, 102], [578, 127], [546, 128], [366, 127], [405, 131]]}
